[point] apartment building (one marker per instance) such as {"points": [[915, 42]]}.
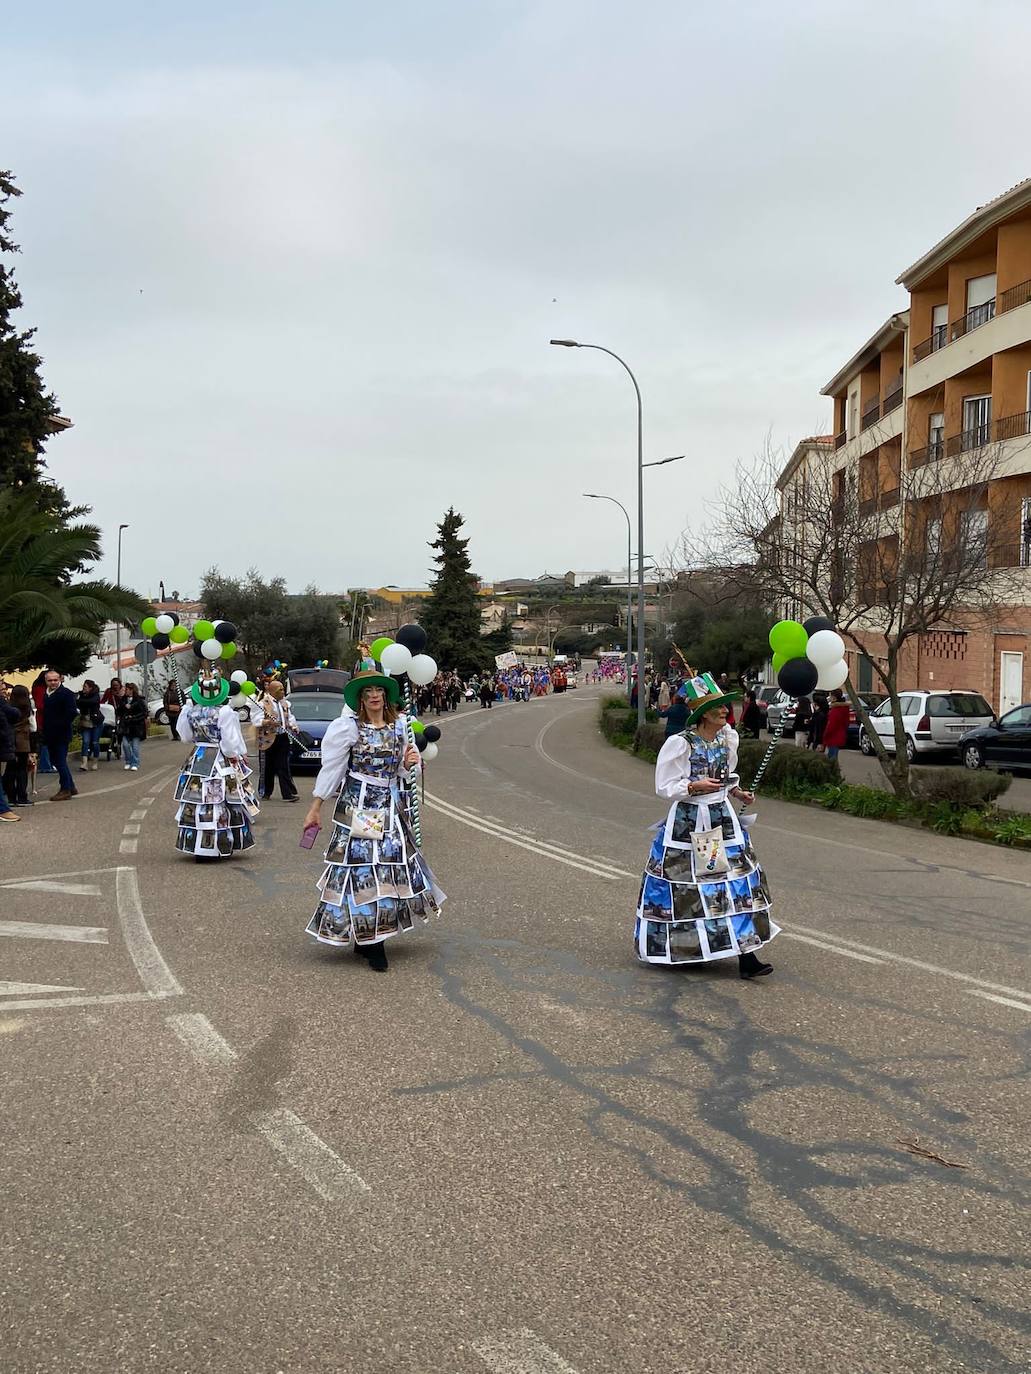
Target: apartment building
{"points": [[943, 390]]}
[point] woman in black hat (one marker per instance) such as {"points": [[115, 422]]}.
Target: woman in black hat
{"points": [[376, 881], [703, 895]]}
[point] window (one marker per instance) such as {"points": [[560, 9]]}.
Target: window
{"points": [[1025, 532], [1020, 717], [958, 704], [977, 421], [933, 530], [884, 709], [980, 301], [973, 533], [939, 327], [935, 435]]}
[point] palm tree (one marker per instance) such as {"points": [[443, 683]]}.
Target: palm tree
{"points": [[41, 607]]}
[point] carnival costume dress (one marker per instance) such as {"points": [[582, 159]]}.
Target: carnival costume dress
{"points": [[704, 895], [216, 800], [376, 882]]}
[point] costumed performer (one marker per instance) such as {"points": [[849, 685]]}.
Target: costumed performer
{"points": [[376, 882], [704, 895], [216, 801]]}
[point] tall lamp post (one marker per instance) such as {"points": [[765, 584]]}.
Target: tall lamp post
{"points": [[118, 623], [595, 496]]}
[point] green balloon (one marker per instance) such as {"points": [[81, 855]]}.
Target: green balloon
{"points": [[229, 650], [203, 630], [179, 635], [417, 727], [789, 638], [248, 688], [378, 645], [149, 626], [778, 662]]}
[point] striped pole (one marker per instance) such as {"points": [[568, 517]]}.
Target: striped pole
{"points": [[774, 741], [413, 777]]}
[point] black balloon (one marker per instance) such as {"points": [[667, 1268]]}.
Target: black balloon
{"points": [[421, 741], [172, 616], [431, 734], [234, 687], [226, 632], [413, 637], [197, 650], [798, 677], [817, 622], [160, 640]]}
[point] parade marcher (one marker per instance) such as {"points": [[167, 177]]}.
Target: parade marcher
{"points": [[703, 895], [216, 801], [91, 722], [376, 881], [131, 723], [486, 692], [274, 741]]}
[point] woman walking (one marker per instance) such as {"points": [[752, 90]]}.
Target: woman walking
{"points": [[91, 722], [131, 715], [835, 732], [376, 881], [16, 772], [703, 895]]}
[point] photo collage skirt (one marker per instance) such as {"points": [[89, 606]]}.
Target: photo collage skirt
{"points": [[703, 895], [376, 882], [216, 805]]}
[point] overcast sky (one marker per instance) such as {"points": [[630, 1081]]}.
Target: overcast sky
{"points": [[294, 268]]}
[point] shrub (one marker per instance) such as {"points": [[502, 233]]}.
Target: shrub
{"points": [[1013, 830], [960, 789], [800, 766], [649, 738]]}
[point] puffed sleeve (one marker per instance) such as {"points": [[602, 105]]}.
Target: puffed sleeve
{"points": [[673, 769], [336, 750], [733, 740], [184, 726], [230, 734]]}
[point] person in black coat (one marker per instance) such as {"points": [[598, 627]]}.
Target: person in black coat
{"points": [[9, 718], [751, 717], [675, 716], [91, 721], [131, 715], [60, 712]]}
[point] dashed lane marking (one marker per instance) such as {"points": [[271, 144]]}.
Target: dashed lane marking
{"points": [[128, 846], [520, 1352], [45, 885], [837, 949], [140, 815], [38, 930], [131, 827], [201, 1038], [1003, 1001], [15, 989]]}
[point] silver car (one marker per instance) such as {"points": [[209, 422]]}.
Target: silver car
{"points": [[934, 721]]}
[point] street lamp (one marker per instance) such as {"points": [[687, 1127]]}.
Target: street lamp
{"points": [[594, 496], [118, 623]]}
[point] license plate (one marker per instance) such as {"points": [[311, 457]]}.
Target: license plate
{"points": [[959, 729], [311, 754]]}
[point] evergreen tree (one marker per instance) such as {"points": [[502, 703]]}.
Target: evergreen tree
{"points": [[451, 617], [28, 412]]}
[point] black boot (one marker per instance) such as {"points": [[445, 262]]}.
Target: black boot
{"points": [[377, 957], [750, 966]]}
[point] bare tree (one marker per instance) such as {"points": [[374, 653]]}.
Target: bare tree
{"points": [[885, 564]]}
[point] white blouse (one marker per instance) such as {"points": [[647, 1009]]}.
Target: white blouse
{"points": [[337, 743], [229, 731], [673, 766]]}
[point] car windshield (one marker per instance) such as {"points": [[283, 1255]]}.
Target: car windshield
{"points": [[958, 704], [316, 705]]}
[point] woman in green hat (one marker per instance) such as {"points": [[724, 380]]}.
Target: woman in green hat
{"points": [[376, 882], [703, 895]]}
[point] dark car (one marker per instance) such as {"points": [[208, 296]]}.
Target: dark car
{"points": [[1006, 743], [869, 700], [316, 699]]}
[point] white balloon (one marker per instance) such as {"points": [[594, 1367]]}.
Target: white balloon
{"points": [[832, 677], [165, 623], [211, 648], [395, 659], [422, 670], [238, 676], [824, 648], [431, 751]]}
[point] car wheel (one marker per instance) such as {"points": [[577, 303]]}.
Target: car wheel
{"points": [[972, 757], [910, 750], [865, 747]]}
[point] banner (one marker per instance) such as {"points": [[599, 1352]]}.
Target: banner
{"points": [[508, 660]]}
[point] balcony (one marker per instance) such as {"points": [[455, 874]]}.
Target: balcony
{"points": [[871, 413], [867, 507], [930, 454], [1015, 297], [969, 440], [975, 317], [892, 399], [840, 440], [1013, 426], [888, 498], [939, 338]]}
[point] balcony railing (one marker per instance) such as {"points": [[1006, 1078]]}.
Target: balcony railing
{"points": [[892, 399], [1013, 426], [888, 498], [969, 440], [840, 440], [867, 507], [871, 413], [939, 338], [930, 454], [975, 317], [1014, 297]]}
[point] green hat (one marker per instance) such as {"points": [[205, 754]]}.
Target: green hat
{"points": [[369, 677], [217, 698], [703, 693]]}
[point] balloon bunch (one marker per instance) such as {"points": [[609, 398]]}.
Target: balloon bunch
{"points": [[213, 641], [808, 657], [404, 657]]}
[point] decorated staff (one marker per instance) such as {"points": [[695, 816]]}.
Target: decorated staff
{"points": [[405, 658], [807, 657]]}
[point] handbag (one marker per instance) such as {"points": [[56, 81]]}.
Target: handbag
{"points": [[710, 854]]}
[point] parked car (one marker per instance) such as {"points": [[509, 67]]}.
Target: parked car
{"points": [[765, 693], [316, 698], [1006, 743], [933, 721], [870, 700], [780, 710]]}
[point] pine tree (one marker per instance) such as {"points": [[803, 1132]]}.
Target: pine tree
{"points": [[451, 617], [28, 412]]}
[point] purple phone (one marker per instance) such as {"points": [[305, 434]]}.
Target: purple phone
{"points": [[310, 835]]}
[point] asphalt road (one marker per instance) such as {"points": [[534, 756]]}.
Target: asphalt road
{"points": [[229, 1149]]}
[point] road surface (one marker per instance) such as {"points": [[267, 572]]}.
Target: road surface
{"points": [[227, 1148]]}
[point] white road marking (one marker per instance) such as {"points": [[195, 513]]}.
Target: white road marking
{"points": [[154, 973], [128, 846], [38, 930], [42, 885], [497, 833], [110, 998], [22, 989], [520, 1352], [494, 824], [140, 815], [303, 1150], [1003, 1001], [201, 1038], [838, 949], [145, 801], [131, 829], [120, 786]]}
